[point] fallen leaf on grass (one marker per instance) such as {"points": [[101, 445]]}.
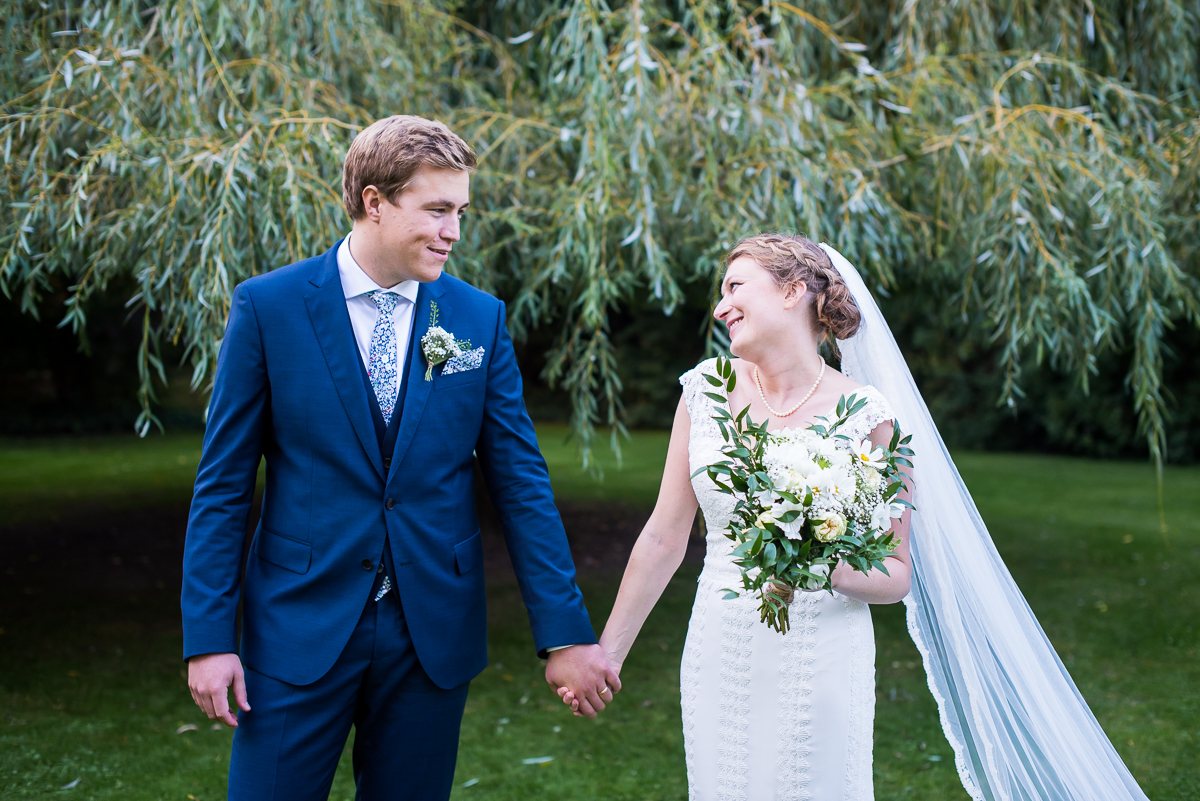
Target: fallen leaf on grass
{"points": [[537, 760], [187, 727], [72, 784], [216, 727]]}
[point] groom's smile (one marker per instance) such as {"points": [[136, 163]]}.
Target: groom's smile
{"points": [[410, 236]]}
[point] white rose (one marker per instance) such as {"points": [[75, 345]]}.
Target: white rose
{"points": [[829, 527], [872, 478]]}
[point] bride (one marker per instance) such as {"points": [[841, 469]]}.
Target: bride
{"points": [[770, 716]]}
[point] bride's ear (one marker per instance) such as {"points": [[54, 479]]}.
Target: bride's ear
{"points": [[794, 294]]}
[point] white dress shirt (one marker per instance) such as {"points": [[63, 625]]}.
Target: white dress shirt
{"points": [[357, 286]]}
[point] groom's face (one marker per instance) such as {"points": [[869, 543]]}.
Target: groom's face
{"points": [[423, 225]]}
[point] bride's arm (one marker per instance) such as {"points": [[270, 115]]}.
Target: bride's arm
{"points": [[875, 587], [659, 549]]}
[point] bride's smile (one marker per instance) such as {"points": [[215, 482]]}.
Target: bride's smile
{"points": [[756, 311]]}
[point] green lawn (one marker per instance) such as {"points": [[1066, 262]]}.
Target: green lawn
{"points": [[41, 479], [91, 687]]}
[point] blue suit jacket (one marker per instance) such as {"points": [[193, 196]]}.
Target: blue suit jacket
{"points": [[289, 388]]}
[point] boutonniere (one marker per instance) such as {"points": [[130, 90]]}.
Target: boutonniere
{"points": [[439, 345]]}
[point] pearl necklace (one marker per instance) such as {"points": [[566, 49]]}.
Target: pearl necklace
{"points": [[763, 397]]}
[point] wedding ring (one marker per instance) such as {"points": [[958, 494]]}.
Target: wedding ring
{"points": [[605, 690]]}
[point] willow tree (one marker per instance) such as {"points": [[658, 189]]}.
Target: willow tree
{"points": [[1039, 160]]}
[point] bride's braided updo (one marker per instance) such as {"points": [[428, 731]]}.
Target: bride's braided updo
{"points": [[792, 260]]}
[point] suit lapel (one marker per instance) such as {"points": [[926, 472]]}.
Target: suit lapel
{"points": [[327, 310], [418, 388]]}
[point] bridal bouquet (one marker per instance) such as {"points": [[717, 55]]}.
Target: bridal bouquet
{"points": [[807, 500]]}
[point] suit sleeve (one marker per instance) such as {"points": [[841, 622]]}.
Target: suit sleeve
{"points": [[519, 485], [233, 446]]}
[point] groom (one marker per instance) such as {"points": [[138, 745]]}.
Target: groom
{"points": [[362, 595]]}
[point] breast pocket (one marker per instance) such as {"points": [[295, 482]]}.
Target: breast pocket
{"points": [[465, 378]]}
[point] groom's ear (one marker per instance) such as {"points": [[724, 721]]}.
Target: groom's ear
{"points": [[372, 200]]}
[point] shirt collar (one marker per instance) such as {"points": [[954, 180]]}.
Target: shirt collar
{"points": [[355, 282]]}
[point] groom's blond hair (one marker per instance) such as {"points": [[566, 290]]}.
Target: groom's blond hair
{"points": [[388, 153]]}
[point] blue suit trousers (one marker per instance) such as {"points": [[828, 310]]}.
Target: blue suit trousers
{"points": [[287, 747]]}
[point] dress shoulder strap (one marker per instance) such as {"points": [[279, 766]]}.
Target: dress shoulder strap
{"points": [[699, 405]]}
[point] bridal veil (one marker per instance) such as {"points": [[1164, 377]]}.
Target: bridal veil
{"points": [[1017, 723]]}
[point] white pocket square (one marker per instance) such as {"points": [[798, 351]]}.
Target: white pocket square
{"points": [[468, 360]]}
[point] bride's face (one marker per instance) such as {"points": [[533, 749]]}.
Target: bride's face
{"points": [[755, 309]]}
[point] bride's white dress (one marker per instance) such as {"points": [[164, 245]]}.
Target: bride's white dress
{"points": [[769, 716]]}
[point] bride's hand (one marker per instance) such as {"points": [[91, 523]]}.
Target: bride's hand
{"points": [[568, 697]]}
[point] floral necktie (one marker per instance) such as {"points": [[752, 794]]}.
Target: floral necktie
{"points": [[381, 362], [382, 370]]}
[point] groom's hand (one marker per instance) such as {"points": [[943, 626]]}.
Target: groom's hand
{"points": [[586, 672], [209, 678]]}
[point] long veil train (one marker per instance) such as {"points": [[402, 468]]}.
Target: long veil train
{"points": [[1017, 723]]}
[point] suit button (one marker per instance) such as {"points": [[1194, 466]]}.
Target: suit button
{"points": [[389, 504], [368, 564], [387, 462]]}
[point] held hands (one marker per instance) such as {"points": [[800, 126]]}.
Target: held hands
{"points": [[576, 703], [209, 678], [586, 674]]}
